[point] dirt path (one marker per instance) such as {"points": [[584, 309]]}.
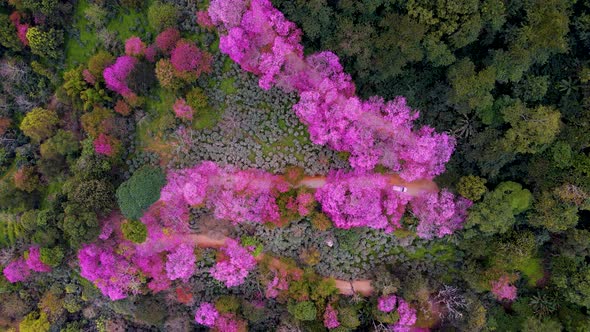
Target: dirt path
{"points": [[345, 287], [415, 188]]}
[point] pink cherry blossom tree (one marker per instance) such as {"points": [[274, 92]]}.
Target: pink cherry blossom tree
{"points": [[233, 270], [134, 46], [116, 74], [502, 289]]}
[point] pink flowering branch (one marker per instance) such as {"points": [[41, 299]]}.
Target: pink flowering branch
{"points": [[502, 289]]}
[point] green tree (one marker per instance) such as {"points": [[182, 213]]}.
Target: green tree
{"points": [[79, 226], [92, 194], [472, 187], [8, 37], [162, 16], [532, 129], [140, 191], [62, 144], [35, 322], [47, 44], [304, 311], [496, 212], [98, 62], [52, 256], [471, 90], [134, 231], [39, 123], [553, 213]]}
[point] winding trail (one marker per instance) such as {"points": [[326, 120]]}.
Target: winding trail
{"points": [[345, 287]]}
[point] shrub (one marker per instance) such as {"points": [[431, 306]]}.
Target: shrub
{"points": [[166, 75], [134, 231], [64, 143], [472, 187], [134, 46], [26, 179], [46, 44], [35, 322], [52, 256], [39, 123], [162, 16], [122, 108], [167, 39], [98, 62], [140, 191], [304, 311]]}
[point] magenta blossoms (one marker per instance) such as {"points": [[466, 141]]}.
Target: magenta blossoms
{"points": [[16, 271], [34, 261], [407, 317], [439, 213], [502, 289], [181, 263], [387, 303], [206, 314], [134, 46], [234, 270], [331, 317], [116, 74], [183, 110], [259, 38], [362, 200]]}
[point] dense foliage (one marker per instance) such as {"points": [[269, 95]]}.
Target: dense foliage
{"points": [[278, 165]]}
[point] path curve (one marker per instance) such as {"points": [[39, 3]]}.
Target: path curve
{"points": [[345, 287]]}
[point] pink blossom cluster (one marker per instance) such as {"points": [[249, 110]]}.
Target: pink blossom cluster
{"points": [[439, 214], [134, 46], [262, 41], [232, 194], [361, 200], [188, 58], [502, 289], [112, 272], [167, 39], [20, 269], [387, 303], [119, 267], [204, 20], [182, 109], [331, 317], [233, 270], [116, 74], [88, 77], [277, 284], [102, 145], [208, 315], [181, 263], [21, 28], [407, 317]]}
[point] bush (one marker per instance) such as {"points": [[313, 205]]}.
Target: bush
{"points": [[162, 16], [140, 191], [305, 311], [134, 231], [35, 322], [46, 44], [39, 123], [52, 256]]}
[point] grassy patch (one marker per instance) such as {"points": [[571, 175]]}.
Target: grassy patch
{"points": [[78, 52], [228, 86], [131, 23], [532, 268], [206, 119]]}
